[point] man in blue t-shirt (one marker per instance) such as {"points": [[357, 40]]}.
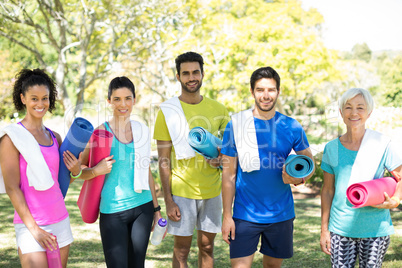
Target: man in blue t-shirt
{"points": [[256, 144]]}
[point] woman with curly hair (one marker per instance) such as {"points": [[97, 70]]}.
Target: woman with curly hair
{"points": [[29, 159]]}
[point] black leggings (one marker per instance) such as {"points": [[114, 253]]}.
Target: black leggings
{"points": [[125, 236]]}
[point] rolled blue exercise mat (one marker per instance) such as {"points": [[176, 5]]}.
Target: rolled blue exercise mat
{"points": [[299, 166], [75, 141], [204, 143]]}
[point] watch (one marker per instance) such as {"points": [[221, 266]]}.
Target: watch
{"points": [[158, 208]]}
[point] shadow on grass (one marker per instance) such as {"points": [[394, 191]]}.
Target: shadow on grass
{"points": [[9, 258], [87, 252], [90, 252]]}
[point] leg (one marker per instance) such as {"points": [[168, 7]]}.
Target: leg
{"points": [[243, 247], [205, 249], [140, 230], [33, 260], [372, 251], [182, 230], [277, 243], [181, 250], [271, 262], [209, 223], [115, 239], [343, 251], [64, 255], [243, 262]]}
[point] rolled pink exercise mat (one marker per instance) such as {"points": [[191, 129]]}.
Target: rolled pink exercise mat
{"points": [[370, 193], [89, 198]]}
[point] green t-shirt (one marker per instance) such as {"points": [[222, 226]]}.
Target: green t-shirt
{"points": [[194, 178]]}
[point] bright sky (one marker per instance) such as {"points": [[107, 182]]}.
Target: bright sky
{"points": [[378, 23]]}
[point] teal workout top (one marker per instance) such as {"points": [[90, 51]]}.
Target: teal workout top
{"points": [[118, 190]]}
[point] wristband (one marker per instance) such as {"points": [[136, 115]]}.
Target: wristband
{"points": [[158, 208], [77, 176], [303, 181], [397, 200]]}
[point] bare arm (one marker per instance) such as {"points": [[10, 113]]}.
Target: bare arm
{"points": [[291, 180], [392, 201], [157, 214], [75, 165], [165, 173], [215, 162], [10, 166], [327, 195], [229, 169]]}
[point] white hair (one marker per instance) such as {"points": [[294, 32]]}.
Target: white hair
{"points": [[353, 92]]}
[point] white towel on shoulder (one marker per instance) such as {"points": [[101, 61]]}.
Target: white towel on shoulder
{"points": [[38, 172], [142, 158], [245, 137], [178, 128], [369, 156]]}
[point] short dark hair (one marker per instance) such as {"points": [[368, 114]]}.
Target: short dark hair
{"points": [[265, 72], [189, 57], [27, 78], [119, 82]]}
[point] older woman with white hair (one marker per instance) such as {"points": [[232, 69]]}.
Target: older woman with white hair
{"points": [[349, 233]]}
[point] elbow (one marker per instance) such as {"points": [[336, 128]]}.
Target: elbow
{"points": [[12, 190]]}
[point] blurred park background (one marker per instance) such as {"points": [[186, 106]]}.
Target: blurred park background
{"points": [[83, 44]]}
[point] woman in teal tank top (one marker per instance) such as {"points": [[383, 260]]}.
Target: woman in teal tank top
{"points": [[126, 217], [349, 234]]}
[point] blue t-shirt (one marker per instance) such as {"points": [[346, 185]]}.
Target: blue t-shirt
{"points": [[345, 220], [118, 189], [261, 196]]}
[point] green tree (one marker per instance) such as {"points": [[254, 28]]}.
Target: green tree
{"points": [[8, 70], [79, 42], [236, 37], [390, 71], [362, 52]]}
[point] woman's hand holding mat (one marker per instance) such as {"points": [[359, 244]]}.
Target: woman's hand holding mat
{"points": [[75, 141], [370, 193], [89, 198]]}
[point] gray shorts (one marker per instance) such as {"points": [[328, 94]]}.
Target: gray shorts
{"points": [[203, 214]]}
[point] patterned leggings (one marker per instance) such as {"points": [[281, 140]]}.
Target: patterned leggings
{"points": [[370, 251]]}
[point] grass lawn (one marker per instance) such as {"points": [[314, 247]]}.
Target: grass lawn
{"points": [[86, 251]]}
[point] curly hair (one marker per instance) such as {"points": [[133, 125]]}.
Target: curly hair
{"points": [[28, 78]]}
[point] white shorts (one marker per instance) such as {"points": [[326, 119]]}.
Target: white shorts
{"points": [[27, 243], [204, 214]]}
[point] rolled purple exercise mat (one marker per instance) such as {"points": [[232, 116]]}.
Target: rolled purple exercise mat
{"points": [[370, 193]]}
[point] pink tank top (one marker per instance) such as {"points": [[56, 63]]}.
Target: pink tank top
{"points": [[47, 207]]}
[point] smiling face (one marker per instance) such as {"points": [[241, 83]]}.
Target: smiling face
{"points": [[265, 94], [36, 100], [122, 101], [355, 112], [190, 76]]}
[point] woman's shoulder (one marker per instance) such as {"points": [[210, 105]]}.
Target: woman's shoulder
{"points": [[102, 126], [57, 136]]}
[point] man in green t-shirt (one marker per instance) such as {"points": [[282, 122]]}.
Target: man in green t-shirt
{"points": [[190, 182]]}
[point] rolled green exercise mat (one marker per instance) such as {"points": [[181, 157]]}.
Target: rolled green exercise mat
{"points": [[204, 143], [299, 166], [75, 141]]}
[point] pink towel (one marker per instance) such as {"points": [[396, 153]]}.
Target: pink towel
{"points": [[89, 199], [371, 192]]}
